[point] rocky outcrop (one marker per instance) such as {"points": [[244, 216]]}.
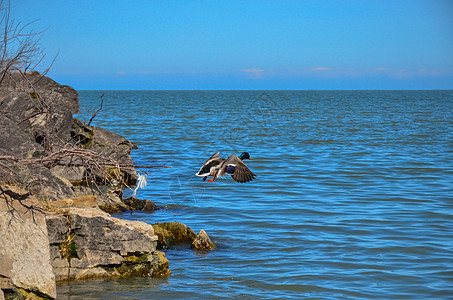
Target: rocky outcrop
{"points": [[25, 268], [67, 240], [45, 150], [38, 86], [60, 233], [86, 242]]}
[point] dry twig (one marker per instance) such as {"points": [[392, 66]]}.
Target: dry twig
{"points": [[96, 111]]}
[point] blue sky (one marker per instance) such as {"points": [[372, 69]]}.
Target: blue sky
{"points": [[246, 44]]}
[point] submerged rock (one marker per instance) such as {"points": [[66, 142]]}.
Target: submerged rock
{"points": [[202, 242], [171, 233]]}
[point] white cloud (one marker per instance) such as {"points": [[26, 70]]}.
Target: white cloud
{"points": [[253, 70], [254, 73], [321, 69]]}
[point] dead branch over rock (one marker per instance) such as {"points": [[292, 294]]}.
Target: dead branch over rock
{"points": [[46, 151]]}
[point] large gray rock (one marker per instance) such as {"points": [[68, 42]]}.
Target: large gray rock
{"points": [[35, 120], [34, 177], [14, 141], [40, 181], [89, 243], [38, 86], [25, 269], [39, 105]]}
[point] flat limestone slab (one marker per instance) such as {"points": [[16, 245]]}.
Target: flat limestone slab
{"points": [[24, 245], [89, 243]]}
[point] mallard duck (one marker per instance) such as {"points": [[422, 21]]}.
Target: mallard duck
{"points": [[233, 165]]}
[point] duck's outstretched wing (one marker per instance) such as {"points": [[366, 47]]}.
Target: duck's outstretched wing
{"points": [[241, 173], [214, 160], [214, 156]]}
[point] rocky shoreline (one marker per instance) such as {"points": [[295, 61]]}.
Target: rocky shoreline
{"points": [[60, 178]]}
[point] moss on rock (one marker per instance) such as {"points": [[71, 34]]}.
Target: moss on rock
{"points": [[137, 259], [161, 264], [173, 233], [17, 293], [148, 264]]}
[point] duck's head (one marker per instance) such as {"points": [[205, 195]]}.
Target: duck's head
{"points": [[245, 155]]}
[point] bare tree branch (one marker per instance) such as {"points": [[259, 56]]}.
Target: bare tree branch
{"points": [[96, 111], [19, 44], [149, 167]]}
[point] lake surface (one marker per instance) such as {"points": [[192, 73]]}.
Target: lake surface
{"points": [[353, 196]]}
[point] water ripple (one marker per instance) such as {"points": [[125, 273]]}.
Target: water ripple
{"points": [[353, 197]]}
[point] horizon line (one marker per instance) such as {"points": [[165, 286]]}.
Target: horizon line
{"points": [[251, 90]]}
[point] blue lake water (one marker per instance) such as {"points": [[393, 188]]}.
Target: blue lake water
{"points": [[353, 196]]}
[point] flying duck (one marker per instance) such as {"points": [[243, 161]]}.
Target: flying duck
{"points": [[233, 165]]}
